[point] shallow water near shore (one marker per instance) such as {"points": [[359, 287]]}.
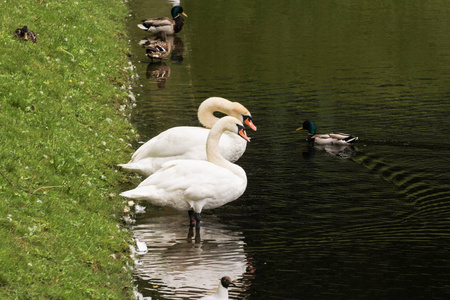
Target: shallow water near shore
{"points": [[365, 223]]}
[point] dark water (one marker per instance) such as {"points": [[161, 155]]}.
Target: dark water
{"points": [[374, 224]]}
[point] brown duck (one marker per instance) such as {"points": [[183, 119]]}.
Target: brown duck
{"points": [[25, 34]]}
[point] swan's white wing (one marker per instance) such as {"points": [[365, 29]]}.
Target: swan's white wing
{"points": [[183, 184], [149, 165], [183, 142], [175, 141], [196, 175]]}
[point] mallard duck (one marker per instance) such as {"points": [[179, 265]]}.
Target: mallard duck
{"points": [[166, 25], [25, 34], [324, 139]]}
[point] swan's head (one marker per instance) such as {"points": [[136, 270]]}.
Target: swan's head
{"points": [[241, 113], [247, 119], [308, 125], [219, 104], [242, 133], [232, 124]]}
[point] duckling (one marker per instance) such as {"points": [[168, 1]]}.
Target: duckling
{"points": [[167, 25], [326, 139], [25, 34]]}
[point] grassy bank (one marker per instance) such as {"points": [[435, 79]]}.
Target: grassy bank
{"points": [[62, 132]]}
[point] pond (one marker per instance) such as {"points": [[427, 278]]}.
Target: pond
{"points": [[373, 223]]}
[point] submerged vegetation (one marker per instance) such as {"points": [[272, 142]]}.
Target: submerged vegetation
{"points": [[62, 133]]}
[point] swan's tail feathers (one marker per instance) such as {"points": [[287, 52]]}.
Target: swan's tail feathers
{"points": [[139, 193], [131, 194], [142, 168], [126, 194], [135, 167], [142, 27], [128, 166], [148, 193]]}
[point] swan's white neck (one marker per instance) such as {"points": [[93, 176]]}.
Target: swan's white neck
{"points": [[213, 154], [209, 106]]}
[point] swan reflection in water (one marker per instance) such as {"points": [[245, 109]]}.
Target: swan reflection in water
{"points": [[188, 262]]}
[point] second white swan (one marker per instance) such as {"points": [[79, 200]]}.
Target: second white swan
{"points": [[188, 142]]}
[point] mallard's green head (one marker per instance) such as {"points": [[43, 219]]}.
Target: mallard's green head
{"points": [[176, 10], [308, 125]]}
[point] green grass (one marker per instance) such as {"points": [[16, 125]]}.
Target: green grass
{"points": [[63, 130]]}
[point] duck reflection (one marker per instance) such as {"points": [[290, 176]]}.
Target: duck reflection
{"points": [[159, 47], [158, 71], [186, 262], [177, 49], [175, 43], [342, 151]]}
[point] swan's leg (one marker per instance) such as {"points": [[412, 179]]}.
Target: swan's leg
{"points": [[197, 236], [191, 217], [197, 219], [190, 234]]}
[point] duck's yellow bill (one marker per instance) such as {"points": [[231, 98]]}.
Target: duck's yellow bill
{"points": [[184, 14], [300, 128]]}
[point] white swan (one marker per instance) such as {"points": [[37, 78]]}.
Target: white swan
{"points": [[222, 290], [188, 142], [194, 185]]}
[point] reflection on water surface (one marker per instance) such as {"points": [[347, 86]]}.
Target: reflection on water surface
{"points": [[370, 224], [182, 261]]}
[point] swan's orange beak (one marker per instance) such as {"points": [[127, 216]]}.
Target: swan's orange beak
{"points": [[250, 124], [248, 121], [243, 134]]}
